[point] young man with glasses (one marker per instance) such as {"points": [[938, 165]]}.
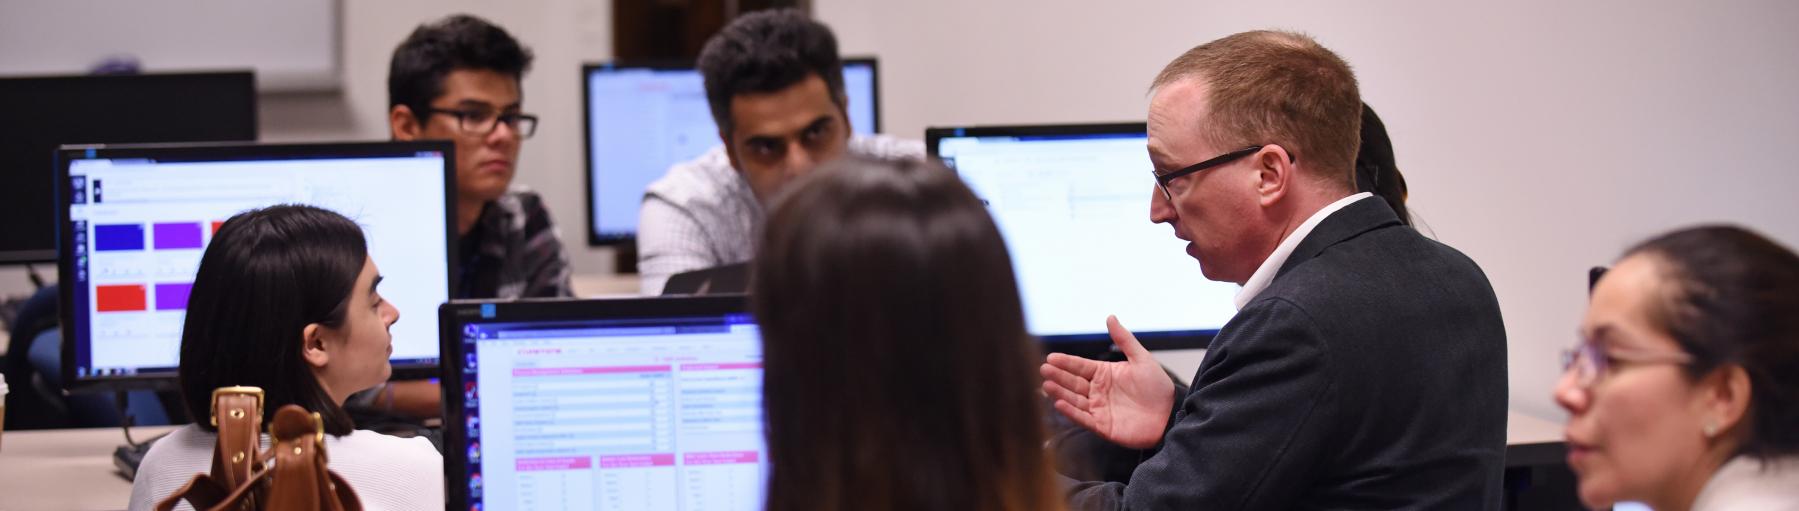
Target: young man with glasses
{"points": [[1366, 365], [458, 79]]}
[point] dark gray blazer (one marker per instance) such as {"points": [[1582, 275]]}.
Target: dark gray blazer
{"points": [[1369, 375]]}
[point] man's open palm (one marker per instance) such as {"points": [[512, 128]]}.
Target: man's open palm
{"points": [[1125, 402]]}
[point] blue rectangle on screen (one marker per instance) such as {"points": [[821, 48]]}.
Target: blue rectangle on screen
{"points": [[117, 237]]}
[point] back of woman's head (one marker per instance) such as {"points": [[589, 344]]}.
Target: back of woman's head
{"points": [[267, 274], [1376, 170], [1731, 297], [898, 373]]}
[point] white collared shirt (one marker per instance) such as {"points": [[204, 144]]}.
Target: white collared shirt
{"points": [[1265, 273], [703, 214]]}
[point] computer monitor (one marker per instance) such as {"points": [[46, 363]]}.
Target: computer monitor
{"points": [[42, 113], [1072, 202], [643, 118], [644, 403], [135, 220]]}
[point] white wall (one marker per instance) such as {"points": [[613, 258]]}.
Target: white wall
{"points": [[1539, 137], [292, 44], [562, 33]]}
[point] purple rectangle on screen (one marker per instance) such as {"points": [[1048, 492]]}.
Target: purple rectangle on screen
{"points": [[119, 237], [172, 297], [182, 235]]}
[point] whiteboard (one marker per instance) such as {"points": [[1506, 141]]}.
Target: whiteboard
{"points": [[291, 44]]}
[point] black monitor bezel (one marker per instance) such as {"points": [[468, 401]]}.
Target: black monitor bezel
{"points": [[454, 315], [223, 151], [594, 239], [1082, 344], [244, 78]]}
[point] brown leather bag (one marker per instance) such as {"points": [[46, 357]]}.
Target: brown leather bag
{"points": [[290, 476]]}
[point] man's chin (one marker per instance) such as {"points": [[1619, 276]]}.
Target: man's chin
{"points": [[485, 192]]}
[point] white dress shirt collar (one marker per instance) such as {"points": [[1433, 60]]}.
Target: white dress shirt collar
{"points": [[1265, 273]]}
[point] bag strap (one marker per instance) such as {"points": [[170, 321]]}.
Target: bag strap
{"points": [[299, 480], [290, 476], [237, 413]]}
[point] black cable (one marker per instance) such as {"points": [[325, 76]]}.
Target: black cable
{"points": [[37, 281], [121, 398]]}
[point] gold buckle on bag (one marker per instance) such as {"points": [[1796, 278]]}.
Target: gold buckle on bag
{"points": [[246, 391]]}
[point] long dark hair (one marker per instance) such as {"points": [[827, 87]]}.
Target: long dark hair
{"points": [[1375, 169], [898, 372], [1731, 296], [266, 275]]}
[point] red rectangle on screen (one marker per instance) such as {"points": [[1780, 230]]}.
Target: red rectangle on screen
{"points": [[120, 298]]}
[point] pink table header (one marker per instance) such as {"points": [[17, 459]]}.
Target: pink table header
{"points": [[637, 461], [721, 367], [565, 463], [718, 458], [570, 371]]}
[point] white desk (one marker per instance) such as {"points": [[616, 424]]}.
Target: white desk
{"points": [[65, 468]]}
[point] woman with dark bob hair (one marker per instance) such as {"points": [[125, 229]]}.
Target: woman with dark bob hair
{"points": [[285, 299], [1684, 392], [898, 373]]}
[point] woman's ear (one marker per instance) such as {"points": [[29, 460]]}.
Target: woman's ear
{"points": [[1726, 399], [313, 346]]}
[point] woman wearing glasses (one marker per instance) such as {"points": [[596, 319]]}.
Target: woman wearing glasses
{"points": [[1684, 392]]}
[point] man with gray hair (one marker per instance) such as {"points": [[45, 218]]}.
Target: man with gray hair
{"points": [[1366, 366]]}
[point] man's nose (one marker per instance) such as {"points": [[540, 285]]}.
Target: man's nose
{"points": [[1160, 210], [799, 159]]}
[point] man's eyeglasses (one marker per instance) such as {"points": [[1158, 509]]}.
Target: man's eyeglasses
{"points": [[1591, 363], [1162, 179], [483, 122]]}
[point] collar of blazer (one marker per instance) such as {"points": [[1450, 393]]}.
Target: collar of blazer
{"points": [[1353, 220]]}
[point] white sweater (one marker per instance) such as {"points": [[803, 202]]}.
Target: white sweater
{"points": [[389, 473], [1745, 484]]}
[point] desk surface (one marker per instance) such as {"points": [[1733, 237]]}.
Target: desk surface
{"points": [[65, 468], [606, 285]]}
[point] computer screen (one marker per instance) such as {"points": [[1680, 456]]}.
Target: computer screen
{"points": [[42, 113], [136, 220], [604, 404], [1072, 202], [642, 119]]}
